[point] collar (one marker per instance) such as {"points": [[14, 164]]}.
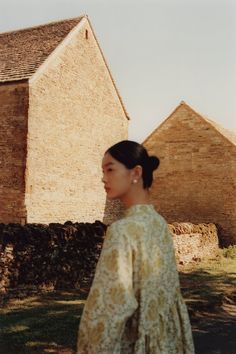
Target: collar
{"points": [[139, 209]]}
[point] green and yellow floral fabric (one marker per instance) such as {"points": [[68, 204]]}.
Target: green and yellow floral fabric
{"points": [[135, 305]]}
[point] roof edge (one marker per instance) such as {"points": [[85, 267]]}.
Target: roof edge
{"points": [[42, 25], [105, 62], [59, 48], [81, 23], [12, 82], [208, 122], [163, 122]]}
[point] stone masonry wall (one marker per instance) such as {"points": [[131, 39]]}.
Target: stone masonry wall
{"points": [[38, 257], [48, 257], [13, 132], [74, 116], [194, 242], [196, 179]]}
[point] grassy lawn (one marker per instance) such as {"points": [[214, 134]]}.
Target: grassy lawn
{"points": [[48, 323], [209, 289], [209, 283]]}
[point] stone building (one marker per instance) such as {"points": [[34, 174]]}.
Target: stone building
{"points": [[196, 179], [59, 111]]}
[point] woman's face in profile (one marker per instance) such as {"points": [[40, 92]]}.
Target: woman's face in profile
{"points": [[117, 178]]}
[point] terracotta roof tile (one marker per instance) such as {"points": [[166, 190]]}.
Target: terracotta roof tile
{"points": [[23, 51]]}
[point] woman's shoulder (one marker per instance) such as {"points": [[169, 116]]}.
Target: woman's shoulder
{"points": [[126, 221], [160, 219], [123, 223], [126, 226], [135, 222]]}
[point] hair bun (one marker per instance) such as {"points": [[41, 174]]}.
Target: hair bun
{"points": [[153, 162]]}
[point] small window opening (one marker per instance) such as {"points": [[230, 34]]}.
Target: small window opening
{"points": [[86, 34]]}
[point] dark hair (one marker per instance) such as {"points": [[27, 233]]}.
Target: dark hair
{"points": [[131, 154]]}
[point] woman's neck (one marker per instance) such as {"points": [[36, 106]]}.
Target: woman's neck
{"points": [[141, 197]]}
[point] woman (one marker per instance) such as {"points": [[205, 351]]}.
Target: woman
{"points": [[135, 304]]}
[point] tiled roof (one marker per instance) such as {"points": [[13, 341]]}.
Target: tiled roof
{"points": [[23, 51]]}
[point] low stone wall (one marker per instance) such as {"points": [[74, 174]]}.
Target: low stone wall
{"points": [[48, 257], [64, 256], [194, 242]]}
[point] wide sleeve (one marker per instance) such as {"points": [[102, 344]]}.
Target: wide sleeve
{"points": [[111, 300]]}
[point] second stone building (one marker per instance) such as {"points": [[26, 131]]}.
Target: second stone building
{"points": [[196, 179]]}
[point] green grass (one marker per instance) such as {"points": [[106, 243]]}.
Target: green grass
{"points": [[209, 284], [48, 323], [41, 324], [230, 252], [209, 289]]}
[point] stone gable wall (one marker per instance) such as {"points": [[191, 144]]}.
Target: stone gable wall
{"points": [[74, 116], [196, 179], [13, 133]]}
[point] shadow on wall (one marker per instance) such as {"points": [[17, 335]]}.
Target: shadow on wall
{"points": [[224, 240]]}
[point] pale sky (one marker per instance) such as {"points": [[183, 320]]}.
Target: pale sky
{"points": [[160, 52]]}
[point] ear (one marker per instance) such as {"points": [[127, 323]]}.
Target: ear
{"points": [[137, 172]]}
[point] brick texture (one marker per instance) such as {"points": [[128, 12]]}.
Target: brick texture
{"points": [[196, 179]]}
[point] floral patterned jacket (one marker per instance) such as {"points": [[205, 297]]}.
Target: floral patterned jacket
{"points": [[135, 305]]}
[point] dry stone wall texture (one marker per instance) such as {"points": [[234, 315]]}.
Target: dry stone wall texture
{"points": [[48, 257], [64, 256], [194, 242]]}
